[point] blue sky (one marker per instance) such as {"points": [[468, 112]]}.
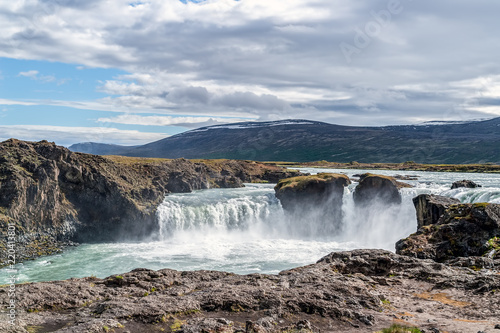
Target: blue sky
{"points": [[134, 72]]}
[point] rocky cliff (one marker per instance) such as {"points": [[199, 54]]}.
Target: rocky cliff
{"points": [[54, 196], [449, 230]]}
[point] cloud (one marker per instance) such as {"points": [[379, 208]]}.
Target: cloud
{"points": [[69, 135], [189, 122], [14, 102], [264, 59], [35, 75], [32, 74]]}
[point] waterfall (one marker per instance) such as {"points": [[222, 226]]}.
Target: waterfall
{"points": [[254, 212]]}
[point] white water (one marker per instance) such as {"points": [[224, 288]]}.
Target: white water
{"points": [[246, 231]]}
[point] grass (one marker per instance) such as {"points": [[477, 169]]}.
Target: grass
{"points": [[400, 329], [126, 160]]}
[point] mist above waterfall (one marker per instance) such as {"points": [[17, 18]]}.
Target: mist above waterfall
{"points": [[255, 213]]}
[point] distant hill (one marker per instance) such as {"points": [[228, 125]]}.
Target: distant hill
{"points": [[303, 140]]}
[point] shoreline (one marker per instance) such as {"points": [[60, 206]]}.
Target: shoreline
{"points": [[407, 166]]}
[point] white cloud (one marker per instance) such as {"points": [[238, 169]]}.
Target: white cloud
{"points": [[32, 74], [69, 135], [35, 75], [14, 102], [190, 122]]}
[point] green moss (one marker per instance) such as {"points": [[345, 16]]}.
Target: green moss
{"points": [[481, 205], [400, 329], [301, 181], [33, 329], [494, 244], [176, 326]]}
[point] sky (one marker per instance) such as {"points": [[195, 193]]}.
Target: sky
{"points": [[129, 73]]}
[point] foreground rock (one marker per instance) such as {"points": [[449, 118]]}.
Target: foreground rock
{"points": [[52, 197], [461, 230], [357, 291], [314, 198], [377, 189], [464, 183]]}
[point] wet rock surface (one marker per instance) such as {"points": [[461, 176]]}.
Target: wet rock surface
{"points": [[356, 291], [54, 197], [464, 183]]}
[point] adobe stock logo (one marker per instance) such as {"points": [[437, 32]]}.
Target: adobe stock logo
{"points": [[364, 37]]}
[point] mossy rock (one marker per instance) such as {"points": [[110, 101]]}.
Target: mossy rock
{"points": [[300, 183]]}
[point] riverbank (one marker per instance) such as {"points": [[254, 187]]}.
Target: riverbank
{"points": [[406, 166]]}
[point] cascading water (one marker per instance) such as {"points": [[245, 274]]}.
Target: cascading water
{"points": [[245, 230]]}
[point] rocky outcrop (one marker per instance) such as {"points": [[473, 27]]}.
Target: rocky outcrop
{"points": [[319, 195], [310, 190], [464, 183], [53, 196], [377, 189], [431, 207], [356, 291], [462, 230]]}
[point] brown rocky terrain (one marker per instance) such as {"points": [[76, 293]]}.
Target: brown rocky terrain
{"points": [[449, 230], [55, 197], [357, 291]]}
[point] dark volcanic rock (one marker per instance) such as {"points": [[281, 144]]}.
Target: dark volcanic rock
{"points": [[463, 230], [377, 189], [54, 196], [431, 207], [464, 183], [319, 194], [356, 291]]}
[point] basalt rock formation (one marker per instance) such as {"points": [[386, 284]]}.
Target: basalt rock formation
{"points": [[462, 230], [53, 197], [377, 189], [431, 207], [356, 291], [314, 197], [464, 183]]}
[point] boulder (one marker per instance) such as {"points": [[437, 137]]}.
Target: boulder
{"points": [[464, 183], [463, 230], [313, 197], [431, 207], [377, 189], [312, 190]]}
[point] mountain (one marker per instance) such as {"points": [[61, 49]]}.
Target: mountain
{"points": [[304, 140]]}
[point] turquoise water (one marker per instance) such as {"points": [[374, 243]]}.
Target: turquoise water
{"points": [[245, 231]]}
